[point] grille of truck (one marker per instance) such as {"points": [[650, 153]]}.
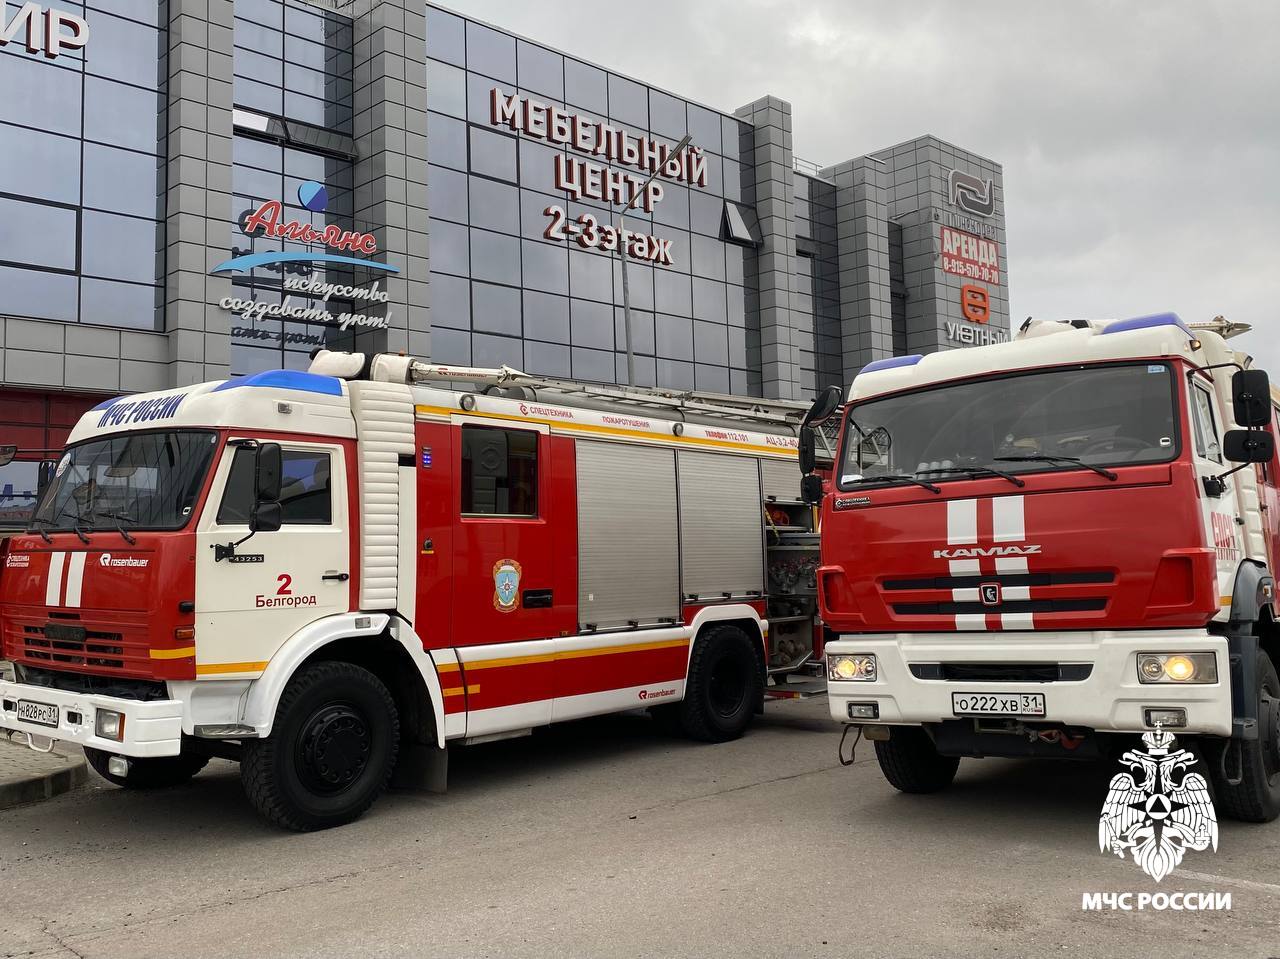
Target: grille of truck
{"points": [[144, 690], [1051, 592], [1004, 579], [1003, 672], [71, 642]]}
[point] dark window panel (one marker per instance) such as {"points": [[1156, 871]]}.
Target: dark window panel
{"points": [[491, 53], [255, 153], [586, 86], [255, 37], [591, 324], [266, 12], [449, 248], [735, 267], [628, 103], [448, 140], [737, 347], [710, 343], [446, 37], [495, 257], [666, 116], [537, 167], [494, 351], [708, 300], [40, 95], [335, 62], [450, 347], [675, 375], [450, 301], [446, 90], [672, 292], [547, 359], [258, 96], [38, 235], [706, 213], [479, 100], [144, 11], [714, 379], [446, 194], [540, 70], [320, 113], [123, 50], [673, 208], [641, 330], [708, 257], [129, 305], [673, 337], [120, 247], [639, 284], [645, 371], [545, 267], [590, 276], [737, 301], [704, 126], [257, 184], [493, 154], [593, 365], [494, 206], [36, 293], [41, 166], [495, 309], [122, 181], [546, 317]]}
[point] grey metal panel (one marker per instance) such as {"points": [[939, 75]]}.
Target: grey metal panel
{"points": [[780, 479], [628, 540], [721, 526]]}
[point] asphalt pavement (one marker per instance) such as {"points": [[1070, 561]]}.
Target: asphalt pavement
{"points": [[607, 838]]}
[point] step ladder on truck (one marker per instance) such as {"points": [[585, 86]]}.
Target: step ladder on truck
{"points": [[1049, 546], [331, 576]]}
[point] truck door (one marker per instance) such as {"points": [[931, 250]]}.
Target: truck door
{"points": [[512, 582], [249, 604], [1219, 512]]}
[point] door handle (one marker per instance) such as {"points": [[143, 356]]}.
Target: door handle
{"points": [[338, 577], [536, 599]]}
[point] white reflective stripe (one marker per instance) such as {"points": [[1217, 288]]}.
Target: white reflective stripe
{"points": [[75, 578], [971, 622], [1016, 592], [1007, 519], [1011, 564], [1017, 621], [962, 521], [964, 567], [965, 595], [53, 586]]}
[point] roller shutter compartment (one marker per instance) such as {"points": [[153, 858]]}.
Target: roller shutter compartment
{"points": [[721, 526]]}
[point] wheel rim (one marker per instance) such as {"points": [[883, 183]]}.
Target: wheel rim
{"points": [[333, 749], [727, 689]]}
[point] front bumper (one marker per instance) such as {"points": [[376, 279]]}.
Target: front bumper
{"points": [[150, 728], [1110, 700]]}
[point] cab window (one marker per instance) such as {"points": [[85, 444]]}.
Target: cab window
{"points": [[1202, 420], [306, 497], [499, 471]]}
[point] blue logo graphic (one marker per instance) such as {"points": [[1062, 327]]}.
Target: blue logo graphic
{"points": [[243, 264], [313, 196]]}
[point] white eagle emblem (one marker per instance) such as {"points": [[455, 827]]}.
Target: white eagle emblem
{"points": [[1158, 818]]}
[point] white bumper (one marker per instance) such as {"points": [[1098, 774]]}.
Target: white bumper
{"points": [[1111, 699], [150, 728]]}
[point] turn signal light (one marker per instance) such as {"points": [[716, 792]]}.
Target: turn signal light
{"points": [[109, 724], [1180, 668], [185, 633]]}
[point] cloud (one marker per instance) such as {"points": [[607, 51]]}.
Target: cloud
{"points": [[1140, 143]]}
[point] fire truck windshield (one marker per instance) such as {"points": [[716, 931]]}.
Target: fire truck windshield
{"points": [[1059, 419], [131, 480]]}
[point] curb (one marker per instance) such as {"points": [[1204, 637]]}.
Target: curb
{"points": [[42, 786]]}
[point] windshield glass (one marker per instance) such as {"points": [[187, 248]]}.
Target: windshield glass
{"points": [[139, 480], [1100, 415]]}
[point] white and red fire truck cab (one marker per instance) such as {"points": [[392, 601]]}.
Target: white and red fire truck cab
{"points": [[315, 572], [1031, 546]]}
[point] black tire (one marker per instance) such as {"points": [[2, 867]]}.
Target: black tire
{"points": [[330, 753], [1256, 798], [910, 762], [725, 683], [158, 772]]}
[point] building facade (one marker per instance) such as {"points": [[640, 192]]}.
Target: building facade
{"points": [[196, 189]]}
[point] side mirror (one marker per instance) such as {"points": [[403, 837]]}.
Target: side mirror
{"points": [[267, 471], [808, 454], [824, 406], [1251, 398], [1248, 446], [7, 453], [266, 517], [811, 488]]}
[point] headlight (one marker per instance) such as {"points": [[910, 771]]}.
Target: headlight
{"points": [[857, 667], [1177, 668], [109, 724]]}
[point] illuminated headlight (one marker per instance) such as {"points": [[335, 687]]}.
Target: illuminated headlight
{"points": [[1177, 668], [108, 724], [857, 667]]}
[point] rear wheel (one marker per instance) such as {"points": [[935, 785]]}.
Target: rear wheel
{"points": [[158, 772], [1256, 798], [330, 753], [724, 685], [912, 764]]}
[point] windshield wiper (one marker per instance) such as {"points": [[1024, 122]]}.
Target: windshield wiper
{"points": [[900, 478], [35, 524], [975, 471], [120, 519], [1055, 458]]}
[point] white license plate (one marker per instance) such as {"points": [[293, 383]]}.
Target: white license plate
{"points": [[997, 704], [42, 714]]}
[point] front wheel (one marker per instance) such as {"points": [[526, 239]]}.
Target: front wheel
{"points": [[330, 753], [724, 685], [158, 772], [1256, 798], [911, 762]]}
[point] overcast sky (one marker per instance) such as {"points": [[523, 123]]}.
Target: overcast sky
{"points": [[1140, 141]]}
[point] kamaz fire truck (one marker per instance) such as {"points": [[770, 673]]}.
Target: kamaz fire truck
{"points": [[331, 575], [1041, 547]]}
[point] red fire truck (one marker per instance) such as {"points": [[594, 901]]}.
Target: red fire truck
{"points": [[331, 575], [1038, 548]]}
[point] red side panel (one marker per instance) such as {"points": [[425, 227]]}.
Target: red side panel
{"points": [[437, 508]]}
